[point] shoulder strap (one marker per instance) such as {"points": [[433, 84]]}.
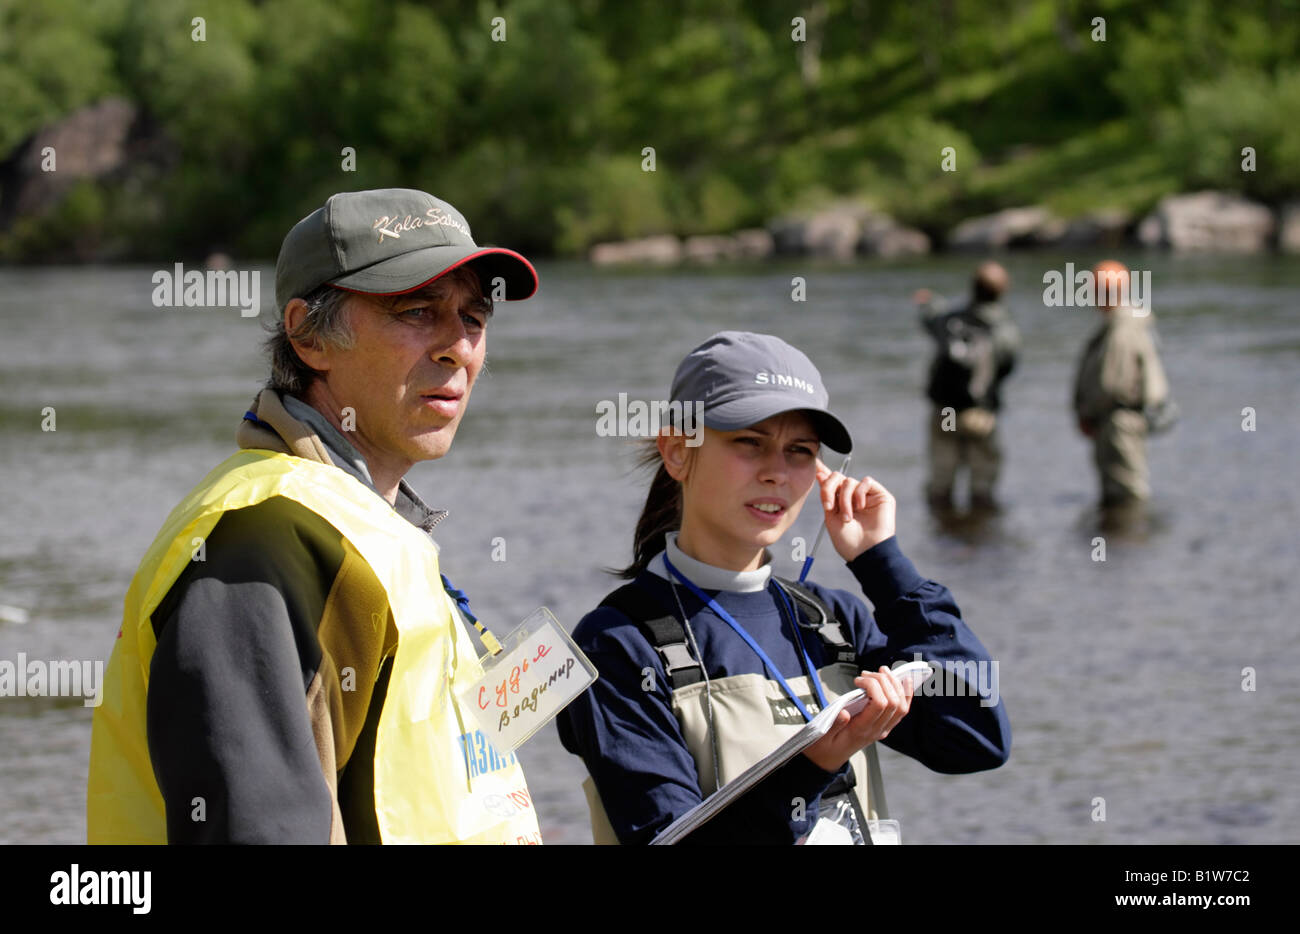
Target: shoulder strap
{"points": [[821, 620], [662, 628]]}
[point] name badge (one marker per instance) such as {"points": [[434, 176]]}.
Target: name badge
{"points": [[537, 673]]}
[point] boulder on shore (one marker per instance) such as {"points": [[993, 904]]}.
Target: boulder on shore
{"points": [[1105, 227], [883, 236], [714, 248], [1208, 220], [754, 243], [112, 152], [831, 233], [843, 231], [89, 143], [665, 250], [1007, 228], [1288, 234], [710, 248], [650, 251]]}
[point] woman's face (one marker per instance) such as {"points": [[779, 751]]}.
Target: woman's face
{"points": [[742, 490]]}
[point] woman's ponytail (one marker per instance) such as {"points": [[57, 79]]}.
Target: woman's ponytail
{"points": [[662, 514]]}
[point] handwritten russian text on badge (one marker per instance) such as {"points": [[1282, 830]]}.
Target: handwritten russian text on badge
{"points": [[537, 673]]}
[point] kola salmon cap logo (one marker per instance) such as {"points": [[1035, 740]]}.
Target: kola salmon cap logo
{"points": [[389, 241]]}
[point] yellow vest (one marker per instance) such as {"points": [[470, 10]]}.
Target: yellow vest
{"points": [[426, 789]]}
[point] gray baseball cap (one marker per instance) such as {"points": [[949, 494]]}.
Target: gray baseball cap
{"points": [[389, 241], [743, 378]]}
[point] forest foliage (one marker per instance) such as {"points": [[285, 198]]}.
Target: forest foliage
{"points": [[540, 139]]}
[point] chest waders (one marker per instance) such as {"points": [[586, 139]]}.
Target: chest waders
{"points": [[751, 715]]}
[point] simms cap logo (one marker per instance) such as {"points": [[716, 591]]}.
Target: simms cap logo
{"points": [[389, 241], [743, 378], [778, 379]]}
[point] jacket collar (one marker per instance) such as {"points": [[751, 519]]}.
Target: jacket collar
{"points": [[288, 425]]}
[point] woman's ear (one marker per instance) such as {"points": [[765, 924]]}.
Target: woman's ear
{"points": [[672, 448]]}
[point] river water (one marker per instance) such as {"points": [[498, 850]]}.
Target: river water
{"points": [[1123, 678]]}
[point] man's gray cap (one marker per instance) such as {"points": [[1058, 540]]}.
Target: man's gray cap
{"points": [[390, 241], [743, 378]]}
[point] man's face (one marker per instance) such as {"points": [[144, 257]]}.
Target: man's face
{"points": [[409, 372]]}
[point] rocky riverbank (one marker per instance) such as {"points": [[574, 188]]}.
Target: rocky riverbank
{"points": [[1208, 221]]}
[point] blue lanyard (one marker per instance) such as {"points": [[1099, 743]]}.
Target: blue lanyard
{"points": [[459, 596], [772, 670], [807, 662]]}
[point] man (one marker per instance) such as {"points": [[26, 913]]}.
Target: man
{"points": [[289, 663], [1120, 391], [976, 347]]}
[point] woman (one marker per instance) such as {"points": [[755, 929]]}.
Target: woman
{"points": [[707, 662]]}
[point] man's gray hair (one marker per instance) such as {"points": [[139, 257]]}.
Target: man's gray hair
{"points": [[325, 323]]}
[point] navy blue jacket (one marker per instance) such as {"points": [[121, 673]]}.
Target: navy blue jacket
{"points": [[632, 742]]}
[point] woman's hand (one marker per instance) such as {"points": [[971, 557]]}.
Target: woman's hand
{"points": [[859, 514], [888, 702]]}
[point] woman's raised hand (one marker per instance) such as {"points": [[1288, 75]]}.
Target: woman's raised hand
{"points": [[859, 513]]}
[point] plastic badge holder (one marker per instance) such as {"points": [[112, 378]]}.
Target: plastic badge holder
{"points": [[886, 832], [839, 828], [537, 673]]}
